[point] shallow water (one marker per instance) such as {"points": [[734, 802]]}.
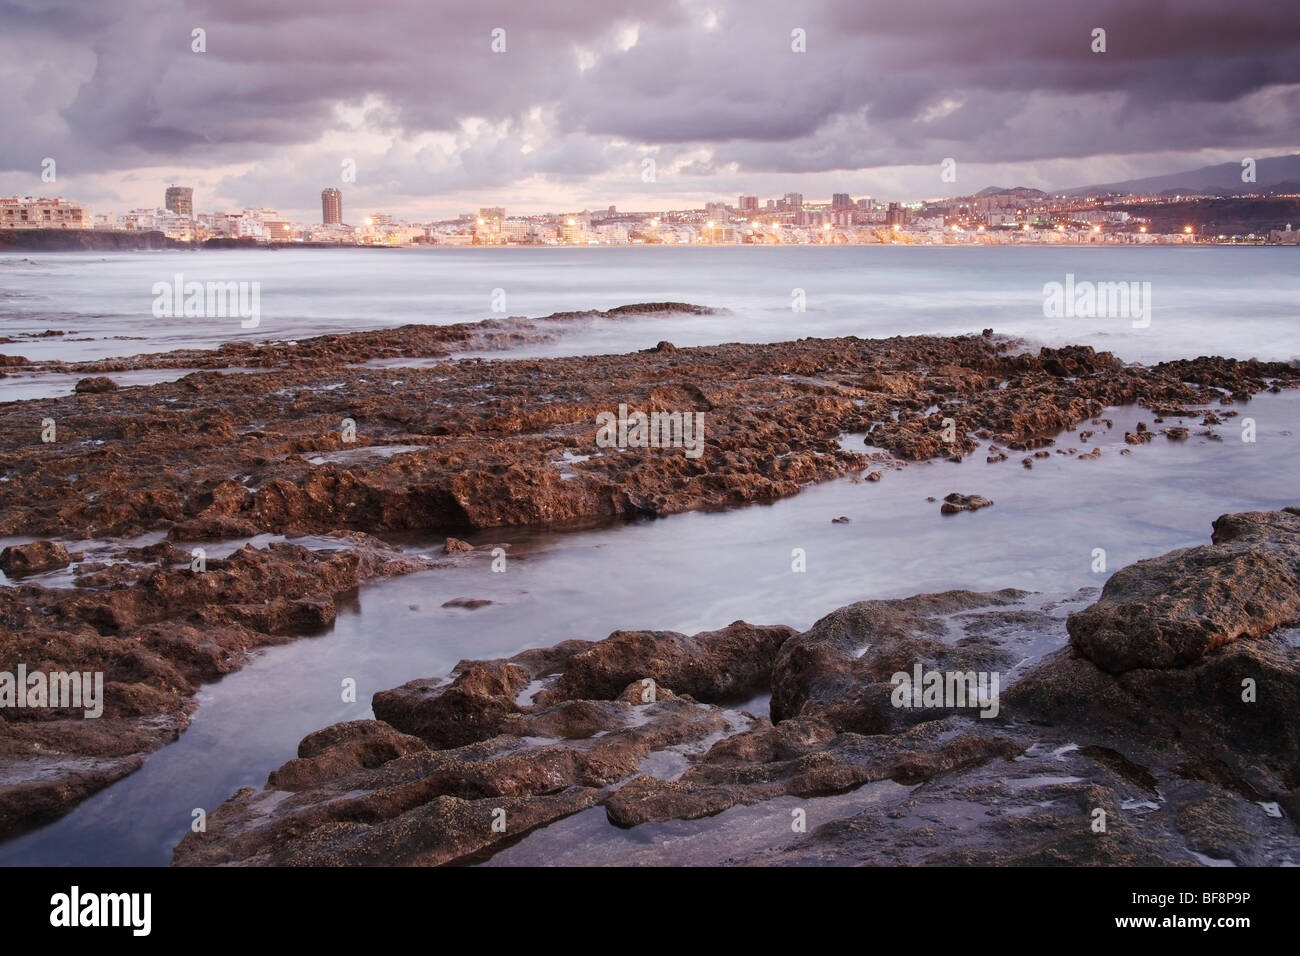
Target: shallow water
{"points": [[17, 387], [692, 572]]}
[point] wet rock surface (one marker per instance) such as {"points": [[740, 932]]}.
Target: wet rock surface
{"points": [[155, 629], [1172, 610], [1160, 764], [956, 502], [376, 432], [95, 385], [33, 558], [1197, 666], [316, 442], [841, 669]]}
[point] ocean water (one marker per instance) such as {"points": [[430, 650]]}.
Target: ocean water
{"points": [[1236, 301]]}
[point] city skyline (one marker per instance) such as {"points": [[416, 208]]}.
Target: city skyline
{"points": [[1140, 214], [430, 115], [1231, 179]]}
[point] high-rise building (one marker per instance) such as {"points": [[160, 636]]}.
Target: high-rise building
{"points": [[895, 215], [841, 201], [331, 207], [794, 200], [180, 200], [748, 204]]}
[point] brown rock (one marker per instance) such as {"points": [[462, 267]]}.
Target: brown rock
{"points": [[34, 557], [1172, 610], [94, 386], [840, 671], [955, 502]]}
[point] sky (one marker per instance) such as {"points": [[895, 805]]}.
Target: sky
{"points": [[580, 97]]}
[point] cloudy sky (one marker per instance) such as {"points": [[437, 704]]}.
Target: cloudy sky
{"points": [[585, 91]]}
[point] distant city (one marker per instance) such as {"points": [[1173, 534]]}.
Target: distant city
{"points": [[992, 216]]}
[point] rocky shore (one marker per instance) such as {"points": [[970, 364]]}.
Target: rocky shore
{"points": [[318, 442], [156, 630], [1167, 731], [84, 240]]}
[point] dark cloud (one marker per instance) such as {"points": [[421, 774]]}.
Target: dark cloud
{"points": [[115, 86]]}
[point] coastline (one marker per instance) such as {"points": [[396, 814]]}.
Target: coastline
{"points": [[649, 747], [216, 457], [87, 240]]}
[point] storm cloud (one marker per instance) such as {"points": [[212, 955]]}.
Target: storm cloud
{"points": [[587, 89]]}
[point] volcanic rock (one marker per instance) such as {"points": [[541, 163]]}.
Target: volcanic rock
{"points": [[955, 503], [34, 557], [96, 385]]}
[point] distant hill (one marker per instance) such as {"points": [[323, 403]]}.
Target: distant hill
{"points": [[1272, 174], [1023, 192]]}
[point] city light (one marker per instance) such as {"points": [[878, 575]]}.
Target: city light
{"points": [[928, 223]]}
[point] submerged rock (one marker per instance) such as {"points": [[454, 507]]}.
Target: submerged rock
{"points": [[955, 503]]}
